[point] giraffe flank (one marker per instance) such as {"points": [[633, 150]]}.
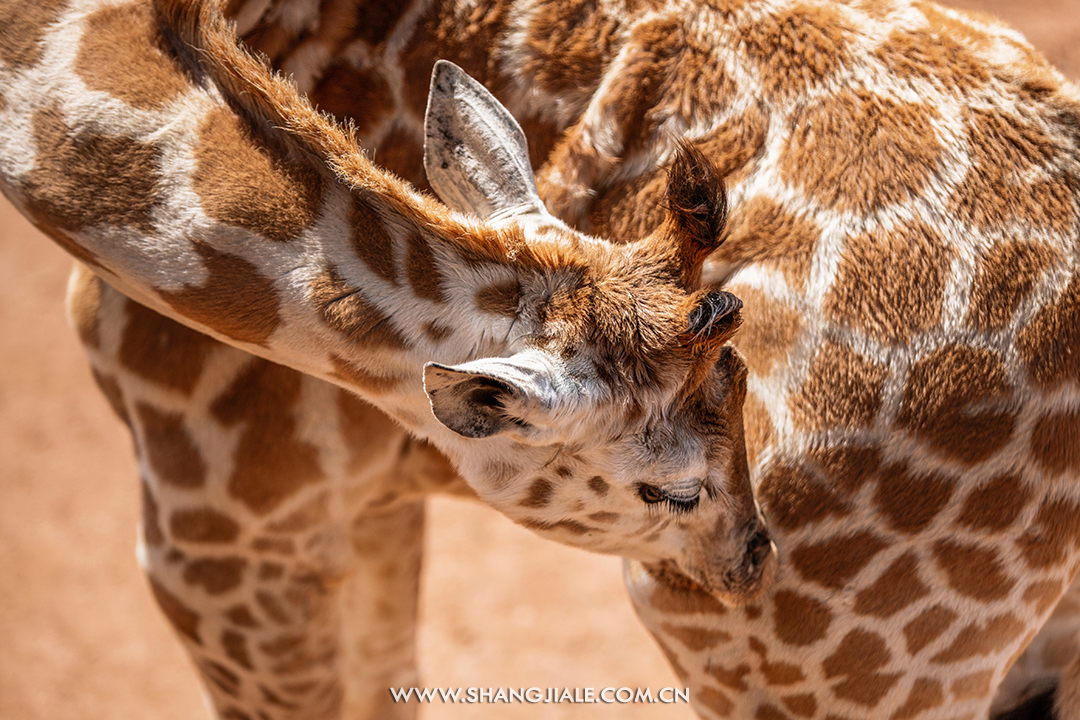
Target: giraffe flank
{"points": [[905, 200], [584, 388]]}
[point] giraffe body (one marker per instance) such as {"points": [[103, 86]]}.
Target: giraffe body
{"points": [[283, 516]]}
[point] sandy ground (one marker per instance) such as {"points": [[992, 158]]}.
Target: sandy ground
{"points": [[79, 634]]}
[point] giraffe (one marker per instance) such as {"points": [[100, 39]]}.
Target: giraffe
{"points": [[903, 184], [222, 226], [828, 442]]}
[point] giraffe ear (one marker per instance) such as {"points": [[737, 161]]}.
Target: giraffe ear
{"points": [[475, 154], [491, 396]]}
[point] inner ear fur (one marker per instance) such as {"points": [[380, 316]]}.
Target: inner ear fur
{"points": [[713, 315]]}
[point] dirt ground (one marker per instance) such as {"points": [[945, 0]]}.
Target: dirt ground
{"points": [[80, 637]]}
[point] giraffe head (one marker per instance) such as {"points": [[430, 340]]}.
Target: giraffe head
{"points": [[618, 403]]}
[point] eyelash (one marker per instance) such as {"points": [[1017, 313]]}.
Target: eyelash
{"points": [[651, 495]]}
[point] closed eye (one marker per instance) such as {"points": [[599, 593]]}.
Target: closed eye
{"points": [[677, 504]]}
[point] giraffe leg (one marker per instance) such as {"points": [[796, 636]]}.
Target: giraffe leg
{"points": [[380, 609], [251, 475]]}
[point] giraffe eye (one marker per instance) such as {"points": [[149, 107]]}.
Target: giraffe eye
{"points": [[678, 504]]}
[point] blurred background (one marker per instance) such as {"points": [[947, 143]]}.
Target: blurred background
{"points": [[80, 637]]}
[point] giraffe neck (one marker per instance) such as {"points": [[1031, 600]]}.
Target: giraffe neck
{"points": [[361, 283]]}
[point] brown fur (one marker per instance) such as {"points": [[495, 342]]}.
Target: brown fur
{"points": [[161, 350], [865, 152], [215, 304], [74, 160], [973, 571], [895, 589], [21, 45], [860, 657], [978, 639], [834, 561], [800, 620], [122, 54], [272, 464], [173, 455]]}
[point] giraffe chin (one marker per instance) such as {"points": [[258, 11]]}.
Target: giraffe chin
{"points": [[735, 587]]}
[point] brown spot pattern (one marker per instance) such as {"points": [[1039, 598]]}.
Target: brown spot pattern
{"points": [[81, 180], [940, 399], [994, 506], [757, 426], [973, 571], [891, 284], [162, 350], [215, 575], [235, 646], [271, 463], [927, 627], [716, 701], [769, 329], [696, 639], [25, 24], [1053, 535], [895, 589], [371, 240], [168, 445], [848, 467], [1043, 594], [856, 151], [1005, 150], [241, 616], [203, 525], [500, 299], [766, 232], [934, 56], [799, 620], [598, 485], [151, 523], [352, 93], [540, 493], [110, 388], [926, 694], [833, 562], [182, 618], [346, 310], [842, 389], [1055, 443], [1048, 342], [1004, 277], [236, 300], [981, 639], [570, 43], [910, 502], [734, 678], [798, 50], [801, 704], [422, 271], [793, 498], [973, 686], [241, 179], [859, 657], [123, 54]]}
